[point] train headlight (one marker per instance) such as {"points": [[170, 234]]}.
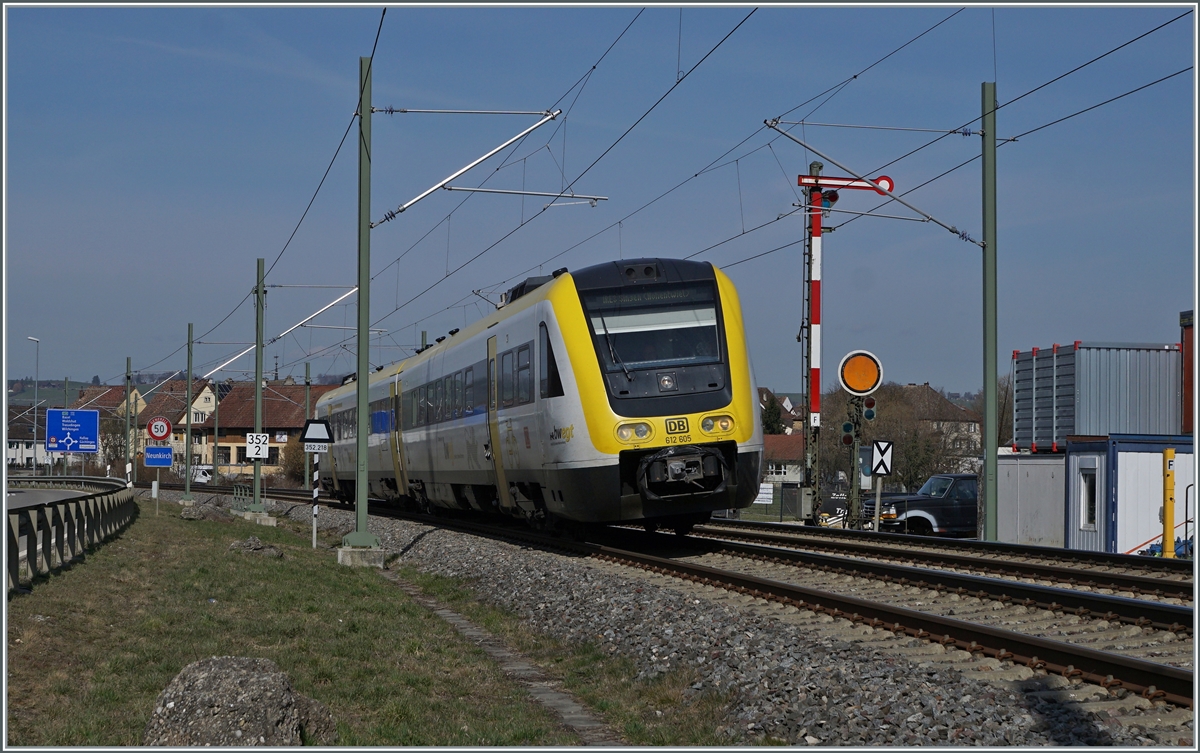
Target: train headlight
{"points": [[717, 424], [634, 432], [667, 383]]}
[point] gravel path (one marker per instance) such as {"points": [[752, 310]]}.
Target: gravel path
{"points": [[794, 677]]}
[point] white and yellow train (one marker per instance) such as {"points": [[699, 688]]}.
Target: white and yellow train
{"points": [[621, 392]]}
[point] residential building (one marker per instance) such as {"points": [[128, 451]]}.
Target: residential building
{"points": [[110, 403], [169, 400], [25, 450], [959, 427], [283, 419]]}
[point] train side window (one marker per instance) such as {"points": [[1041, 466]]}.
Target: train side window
{"points": [[550, 381], [506, 378], [458, 394], [524, 378], [438, 401], [447, 396], [422, 412], [468, 391]]}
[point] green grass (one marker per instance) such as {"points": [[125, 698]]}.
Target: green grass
{"points": [[92, 647]]}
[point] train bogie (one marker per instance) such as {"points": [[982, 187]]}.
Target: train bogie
{"points": [[620, 393]]}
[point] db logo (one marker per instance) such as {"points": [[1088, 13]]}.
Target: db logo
{"points": [[677, 425]]}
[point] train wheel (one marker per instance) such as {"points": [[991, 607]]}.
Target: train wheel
{"points": [[650, 526]]}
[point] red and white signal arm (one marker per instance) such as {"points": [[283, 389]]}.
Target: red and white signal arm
{"points": [[158, 428]]}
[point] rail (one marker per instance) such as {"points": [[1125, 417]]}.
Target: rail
{"points": [[46, 536]]}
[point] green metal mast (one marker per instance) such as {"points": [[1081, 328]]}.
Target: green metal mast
{"points": [[990, 419], [128, 392], [260, 292], [187, 442], [307, 416], [361, 537]]}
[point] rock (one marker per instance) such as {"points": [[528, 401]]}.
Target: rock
{"points": [[205, 511], [253, 546], [234, 700]]}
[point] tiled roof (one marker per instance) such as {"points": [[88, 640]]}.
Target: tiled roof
{"points": [[929, 405], [282, 406], [784, 447], [170, 401], [20, 423], [103, 398]]}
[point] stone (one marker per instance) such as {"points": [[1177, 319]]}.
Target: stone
{"points": [[203, 511], [253, 545], [235, 700]]}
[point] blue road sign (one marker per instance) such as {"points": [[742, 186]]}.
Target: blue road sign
{"points": [[72, 430], [159, 457]]}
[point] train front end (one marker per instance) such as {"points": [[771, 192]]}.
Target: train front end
{"points": [[659, 352]]}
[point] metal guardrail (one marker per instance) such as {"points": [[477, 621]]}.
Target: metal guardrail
{"points": [[50, 535]]}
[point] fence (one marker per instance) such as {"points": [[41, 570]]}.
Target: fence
{"points": [[47, 536]]}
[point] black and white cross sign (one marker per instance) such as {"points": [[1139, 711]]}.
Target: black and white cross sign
{"points": [[881, 458]]}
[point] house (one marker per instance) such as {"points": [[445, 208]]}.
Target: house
{"points": [[783, 458], [788, 413], [110, 403], [24, 449], [959, 427], [283, 419], [169, 400]]}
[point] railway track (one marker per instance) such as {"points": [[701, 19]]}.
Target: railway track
{"points": [[1118, 645], [1140, 577]]}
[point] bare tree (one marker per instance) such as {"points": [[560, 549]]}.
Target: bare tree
{"points": [[922, 444], [1004, 408]]}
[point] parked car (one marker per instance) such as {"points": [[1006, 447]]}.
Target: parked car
{"points": [[946, 504]]}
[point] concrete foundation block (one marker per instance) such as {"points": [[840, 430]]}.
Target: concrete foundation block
{"points": [[261, 518], [361, 556]]}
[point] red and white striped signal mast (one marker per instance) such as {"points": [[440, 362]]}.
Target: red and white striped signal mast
{"points": [[822, 195]]}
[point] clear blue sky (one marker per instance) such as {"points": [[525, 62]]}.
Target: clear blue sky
{"points": [[152, 154]]}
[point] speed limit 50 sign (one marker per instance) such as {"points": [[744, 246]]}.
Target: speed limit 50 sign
{"points": [[257, 446], [158, 428]]}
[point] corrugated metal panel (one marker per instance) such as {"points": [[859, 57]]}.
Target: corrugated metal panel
{"points": [[1095, 389]]}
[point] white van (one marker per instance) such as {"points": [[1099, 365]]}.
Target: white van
{"points": [[201, 474]]}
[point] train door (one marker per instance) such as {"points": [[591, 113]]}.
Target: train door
{"points": [[493, 446], [396, 438]]}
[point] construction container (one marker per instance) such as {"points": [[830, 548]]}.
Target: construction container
{"points": [[1114, 492], [1095, 389], [1031, 499]]}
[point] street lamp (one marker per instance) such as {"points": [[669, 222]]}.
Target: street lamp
{"points": [[36, 364]]}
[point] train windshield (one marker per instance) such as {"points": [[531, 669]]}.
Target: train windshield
{"points": [[654, 326]]}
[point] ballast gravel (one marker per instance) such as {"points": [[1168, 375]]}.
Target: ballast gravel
{"points": [[787, 683]]}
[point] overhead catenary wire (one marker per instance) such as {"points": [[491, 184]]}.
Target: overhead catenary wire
{"points": [[713, 165], [870, 213], [580, 84], [581, 174]]}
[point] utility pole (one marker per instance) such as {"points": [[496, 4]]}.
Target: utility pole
{"points": [[216, 431], [361, 537], [260, 292], [307, 416], [187, 442], [990, 407], [128, 394]]}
